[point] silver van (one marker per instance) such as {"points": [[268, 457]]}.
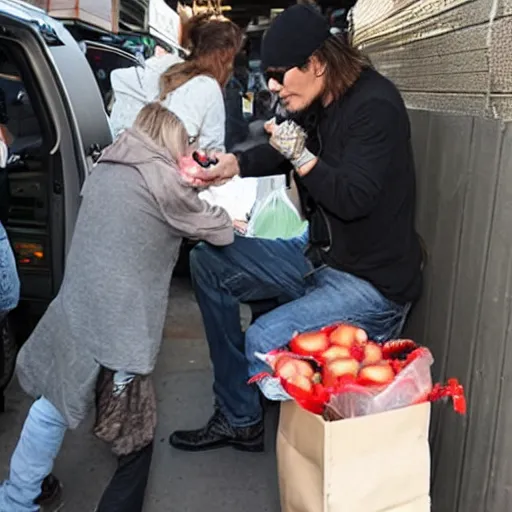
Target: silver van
{"points": [[56, 113]]}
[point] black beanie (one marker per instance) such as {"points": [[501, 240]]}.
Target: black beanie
{"points": [[293, 37]]}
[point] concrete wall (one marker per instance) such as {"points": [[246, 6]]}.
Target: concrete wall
{"points": [[453, 62], [445, 55], [464, 167]]}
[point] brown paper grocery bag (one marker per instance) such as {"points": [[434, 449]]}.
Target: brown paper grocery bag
{"points": [[378, 463]]}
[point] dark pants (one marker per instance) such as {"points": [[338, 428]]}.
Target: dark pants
{"points": [[126, 490]]}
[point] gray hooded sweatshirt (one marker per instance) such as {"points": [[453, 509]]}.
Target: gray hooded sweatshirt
{"points": [[111, 307]]}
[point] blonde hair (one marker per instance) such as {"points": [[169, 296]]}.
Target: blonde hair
{"points": [[164, 128]]}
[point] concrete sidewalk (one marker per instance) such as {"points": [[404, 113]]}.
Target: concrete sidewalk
{"points": [[217, 481]]}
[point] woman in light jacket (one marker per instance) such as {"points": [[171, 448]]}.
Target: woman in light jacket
{"points": [[109, 313]]}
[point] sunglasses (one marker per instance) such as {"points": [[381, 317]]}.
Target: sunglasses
{"points": [[278, 74]]}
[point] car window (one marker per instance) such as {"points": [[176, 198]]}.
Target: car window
{"points": [[17, 112], [103, 61]]}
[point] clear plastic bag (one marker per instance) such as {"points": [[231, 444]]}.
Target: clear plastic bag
{"points": [[275, 216], [412, 385]]}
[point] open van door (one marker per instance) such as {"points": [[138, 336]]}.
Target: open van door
{"points": [[55, 114]]}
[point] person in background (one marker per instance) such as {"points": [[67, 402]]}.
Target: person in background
{"points": [[193, 90], [347, 142], [237, 127], [9, 280], [104, 328], [5, 142]]}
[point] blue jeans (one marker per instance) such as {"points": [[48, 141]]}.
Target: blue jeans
{"points": [[253, 269], [9, 281], [32, 460], [39, 445]]}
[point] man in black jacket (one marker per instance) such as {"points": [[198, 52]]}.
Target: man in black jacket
{"points": [[348, 146]]}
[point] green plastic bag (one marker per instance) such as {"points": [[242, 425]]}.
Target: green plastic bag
{"points": [[276, 217]]}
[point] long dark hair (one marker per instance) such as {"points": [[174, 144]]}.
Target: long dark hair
{"points": [[213, 43], [343, 65]]}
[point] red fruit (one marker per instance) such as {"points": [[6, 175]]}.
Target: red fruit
{"points": [[397, 365], [289, 367], [304, 368], [286, 369], [347, 335], [395, 348], [336, 352], [309, 344], [376, 374], [337, 369], [302, 382], [357, 352], [361, 336], [372, 353]]}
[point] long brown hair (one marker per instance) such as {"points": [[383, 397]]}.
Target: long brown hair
{"points": [[213, 43], [164, 128], [343, 65]]}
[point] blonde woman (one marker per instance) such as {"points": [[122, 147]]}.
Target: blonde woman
{"points": [[109, 313], [193, 90]]}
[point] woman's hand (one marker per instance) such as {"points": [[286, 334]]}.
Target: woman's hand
{"points": [[192, 173], [240, 226], [222, 172]]}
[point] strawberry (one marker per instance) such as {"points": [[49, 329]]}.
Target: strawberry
{"points": [[397, 365], [312, 399], [357, 352], [379, 374], [372, 353], [347, 335], [302, 382], [395, 348], [288, 367], [336, 369], [335, 352], [310, 344]]}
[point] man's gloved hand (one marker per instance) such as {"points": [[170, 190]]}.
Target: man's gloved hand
{"points": [[290, 140], [223, 171]]}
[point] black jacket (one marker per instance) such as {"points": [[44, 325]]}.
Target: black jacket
{"points": [[360, 197]]}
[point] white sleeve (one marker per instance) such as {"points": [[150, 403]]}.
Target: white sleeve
{"points": [[199, 104], [213, 129]]}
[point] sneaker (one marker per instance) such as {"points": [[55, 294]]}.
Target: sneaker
{"points": [[218, 433], [50, 499]]}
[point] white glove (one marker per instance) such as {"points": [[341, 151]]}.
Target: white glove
{"points": [[290, 140]]}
